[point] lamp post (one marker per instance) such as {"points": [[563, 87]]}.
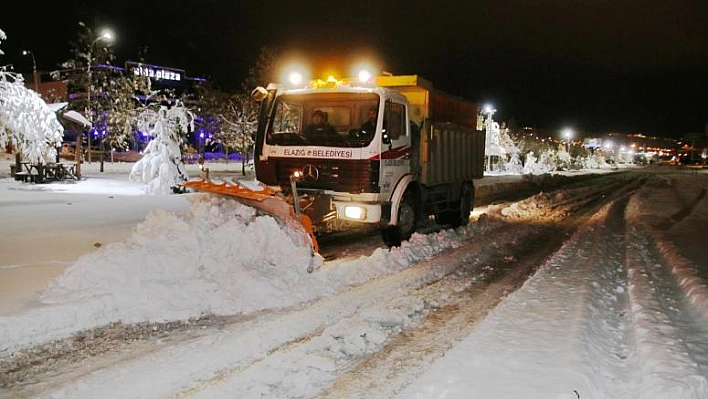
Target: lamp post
{"points": [[567, 133], [34, 70], [106, 35], [489, 111]]}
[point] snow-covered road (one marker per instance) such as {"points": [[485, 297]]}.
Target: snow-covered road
{"points": [[616, 306]]}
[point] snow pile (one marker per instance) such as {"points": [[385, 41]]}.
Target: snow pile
{"points": [[218, 258]]}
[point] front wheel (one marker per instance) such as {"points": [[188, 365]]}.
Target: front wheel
{"points": [[407, 221]]}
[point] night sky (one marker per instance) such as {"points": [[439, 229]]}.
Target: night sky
{"points": [[634, 66]]}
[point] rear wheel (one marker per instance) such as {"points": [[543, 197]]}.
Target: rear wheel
{"points": [[466, 201], [460, 214], [407, 221]]}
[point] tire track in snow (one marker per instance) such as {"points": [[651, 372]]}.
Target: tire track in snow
{"points": [[560, 310], [672, 365], [385, 373], [605, 356], [327, 359], [388, 372]]}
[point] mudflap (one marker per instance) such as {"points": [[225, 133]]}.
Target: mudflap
{"points": [[266, 200]]}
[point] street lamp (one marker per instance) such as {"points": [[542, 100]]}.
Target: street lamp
{"points": [[108, 36], [567, 133], [489, 110], [34, 69], [490, 134]]}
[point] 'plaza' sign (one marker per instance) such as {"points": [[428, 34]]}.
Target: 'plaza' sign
{"points": [[155, 72]]}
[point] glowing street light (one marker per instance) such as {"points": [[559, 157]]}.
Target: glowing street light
{"points": [[106, 35], [489, 110], [34, 69]]}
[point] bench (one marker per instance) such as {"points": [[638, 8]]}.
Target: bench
{"points": [[23, 176], [60, 171], [38, 173]]}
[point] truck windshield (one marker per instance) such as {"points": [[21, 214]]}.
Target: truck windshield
{"points": [[324, 119]]}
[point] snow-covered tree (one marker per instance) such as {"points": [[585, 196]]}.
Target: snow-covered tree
{"points": [[503, 154], [161, 166], [565, 161], [240, 119], [25, 119], [110, 101], [514, 166], [493, 137], [82, 72], [121, 114], [209, 124], [593, 161]]}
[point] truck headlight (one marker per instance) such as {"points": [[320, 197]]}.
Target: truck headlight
{"points": [[354, 212]]}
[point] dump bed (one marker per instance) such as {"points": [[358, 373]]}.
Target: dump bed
{"points": [[450, 153], [450, 147]]}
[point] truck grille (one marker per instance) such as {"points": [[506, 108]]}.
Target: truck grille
{"points": [[357, 176]]}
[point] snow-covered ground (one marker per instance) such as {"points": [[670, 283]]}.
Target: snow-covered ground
{"points": [[619, 311]]}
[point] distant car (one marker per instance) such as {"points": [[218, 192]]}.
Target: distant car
{"points": [[667, 160], [250, 166]]}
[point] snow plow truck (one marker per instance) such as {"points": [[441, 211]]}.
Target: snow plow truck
{"points": [[384, 151]]}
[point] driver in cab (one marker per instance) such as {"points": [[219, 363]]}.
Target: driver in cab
{"points": [[319, 128]]}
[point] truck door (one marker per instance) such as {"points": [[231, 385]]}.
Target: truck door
{"points": [[395, 147]]}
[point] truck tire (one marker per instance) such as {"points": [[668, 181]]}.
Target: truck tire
{"points": [[466, 203], [407, 222], [460, 214]]}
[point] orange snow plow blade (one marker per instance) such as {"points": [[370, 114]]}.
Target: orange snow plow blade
{"points": [[265, 200]]}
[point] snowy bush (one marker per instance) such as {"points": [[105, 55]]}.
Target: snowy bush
{"points": [[547, 162], [162, 166], [593, 162], [26, 121]]}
